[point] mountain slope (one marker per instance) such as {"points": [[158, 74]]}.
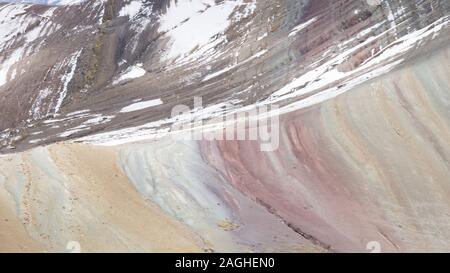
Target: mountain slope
{"points": [[124, 52], [342, 177], [362, 156]]}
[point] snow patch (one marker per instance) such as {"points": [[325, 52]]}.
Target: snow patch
{"points": [[141, 105], [77, 113], [7, 63], [327, 73], [194, 24], [229, 68], [132, 9], [302, 26], [36, 108], [98, 119], [132, 72], [66, 78]]}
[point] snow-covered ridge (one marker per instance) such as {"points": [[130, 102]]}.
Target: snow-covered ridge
{"points": [[196, 24], [314, 83], [328, 72], [15, 26]]}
